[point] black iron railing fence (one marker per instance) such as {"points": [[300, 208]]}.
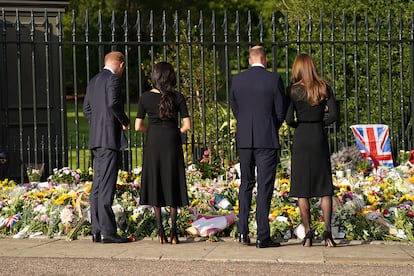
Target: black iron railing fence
{"points": [[47, 60]]}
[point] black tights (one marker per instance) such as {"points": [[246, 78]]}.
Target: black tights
{"points": [[158, 219], [326, 206]]}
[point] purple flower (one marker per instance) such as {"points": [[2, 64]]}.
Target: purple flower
{"points": [[44, 218]]}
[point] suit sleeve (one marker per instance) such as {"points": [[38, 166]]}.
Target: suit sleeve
{"points": [[280, 101], [87, 109], [233, 101], [114, 100]]}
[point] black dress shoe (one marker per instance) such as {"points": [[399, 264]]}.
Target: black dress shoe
{"points": [[114, 238], [266, 243], [96, 237], [244, 239]]}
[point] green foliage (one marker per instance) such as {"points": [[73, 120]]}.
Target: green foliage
{"points": [[305, 6], [363, 165], [183, 220], [210, 170], [366, 66], [370, 74], [359, 228]]}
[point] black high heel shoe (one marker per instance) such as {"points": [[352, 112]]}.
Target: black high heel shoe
{"points": [[307, 241], [161, 236], [174, 238], [328, 240]]}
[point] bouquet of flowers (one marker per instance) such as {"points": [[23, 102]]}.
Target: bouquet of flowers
{"points": [[64, 175], [34, 172]]}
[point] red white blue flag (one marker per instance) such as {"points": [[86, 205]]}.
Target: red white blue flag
{"points": [[10, 221], [374, 143]]}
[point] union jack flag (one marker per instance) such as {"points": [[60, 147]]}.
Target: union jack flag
{"points": [[10, 221], [374, 143]]}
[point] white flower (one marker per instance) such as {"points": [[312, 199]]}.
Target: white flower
{"points": [[41, 209], [118, 210], [66, 215], [137, 170]]}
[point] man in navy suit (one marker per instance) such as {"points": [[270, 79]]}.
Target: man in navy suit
{"points": [[104, 108], [257, 99]]}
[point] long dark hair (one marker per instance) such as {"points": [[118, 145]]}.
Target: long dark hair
{"points": [[164, 79]]}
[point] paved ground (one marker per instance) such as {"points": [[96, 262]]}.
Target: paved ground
{"points": [[41, 256]]}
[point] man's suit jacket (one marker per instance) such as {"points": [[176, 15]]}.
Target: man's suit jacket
{"points": [[104, 108], [258, 102]]}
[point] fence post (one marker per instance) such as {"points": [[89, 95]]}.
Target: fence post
{"points": [[412, 80]]}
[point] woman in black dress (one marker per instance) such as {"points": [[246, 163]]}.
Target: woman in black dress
{"points": [[163, 181], [312, 106]]}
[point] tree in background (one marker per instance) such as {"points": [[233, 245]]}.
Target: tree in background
{"points": [[366, 68]]}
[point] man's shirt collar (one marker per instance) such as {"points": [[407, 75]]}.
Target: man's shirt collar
{"points": [[110, 69], [257, 64]]}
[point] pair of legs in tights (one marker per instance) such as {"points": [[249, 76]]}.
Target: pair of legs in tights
{"points": [[326, 206], [173, 216]]}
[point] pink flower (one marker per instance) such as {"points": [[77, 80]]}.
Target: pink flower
{"points": [[44, 218]]}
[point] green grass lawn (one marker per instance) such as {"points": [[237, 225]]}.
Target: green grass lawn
{"points": [[82, 159]]}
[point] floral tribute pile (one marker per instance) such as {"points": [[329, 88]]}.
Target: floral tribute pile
{"points": [[377, 205]]}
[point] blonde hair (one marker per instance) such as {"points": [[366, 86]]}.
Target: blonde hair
{"points": [[304, 73], [257, 52]]}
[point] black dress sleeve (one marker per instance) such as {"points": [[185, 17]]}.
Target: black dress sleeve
{"points": [[141, 109], [182, 106], [290, 114], [332, 113]]}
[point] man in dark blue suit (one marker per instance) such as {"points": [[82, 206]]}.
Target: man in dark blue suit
{"points": [[104, 108], [257, 98]]}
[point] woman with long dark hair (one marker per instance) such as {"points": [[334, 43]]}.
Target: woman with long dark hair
{"points": [[163, 181], [312, 107]]}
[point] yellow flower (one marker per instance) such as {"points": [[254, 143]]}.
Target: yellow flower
{"points": [[284, 181], [195, 202], [289, 209], [223, 211], [40, 195], [72, 195], [275, 213], [134, 217], [88, 187], [61, 199], [234, 184], [406, 197], [7, 184]]}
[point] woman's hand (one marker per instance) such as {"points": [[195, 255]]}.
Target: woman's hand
{"points": [[186, 125], [140, 126]]}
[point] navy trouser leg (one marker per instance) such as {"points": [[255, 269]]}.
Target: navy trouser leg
{"points": [[103, 191], [266, 161], [248, 180]]}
